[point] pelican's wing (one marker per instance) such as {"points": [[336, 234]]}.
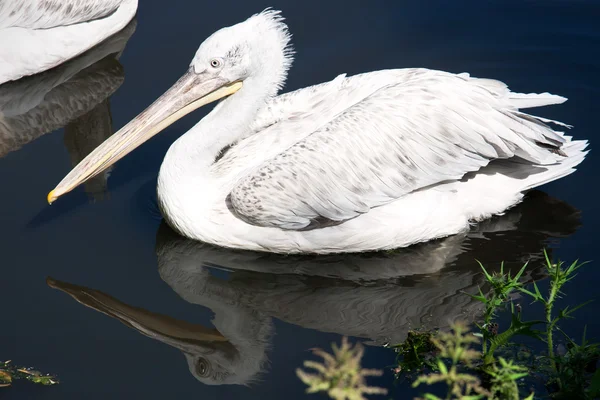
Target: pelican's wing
{"points": [[45, 14], [301, 103], [418, 129]]}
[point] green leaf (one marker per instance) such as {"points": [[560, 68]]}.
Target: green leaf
{"points": [[595, 385], [514, 377], [481, 297], [517, 327], [548, 262], [518, 276], [488, 277], [577, 307], [429, 396], [529, 293], [442, 367]]}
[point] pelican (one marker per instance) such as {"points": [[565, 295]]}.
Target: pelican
{"points": [[36, 35], [374, 161], [376, 298]]}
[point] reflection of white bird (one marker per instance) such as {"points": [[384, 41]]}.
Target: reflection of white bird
{"points": [[74, 95], [36, 35], [374, 297], [374, 161]]}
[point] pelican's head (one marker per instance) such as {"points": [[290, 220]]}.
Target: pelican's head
{"points": [[254, 50]]}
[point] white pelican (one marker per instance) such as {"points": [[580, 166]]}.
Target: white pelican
{"points": [[36, 35], [371, 297], [374, 161]]}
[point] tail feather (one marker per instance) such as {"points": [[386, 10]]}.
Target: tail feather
{"points": [[544, 120], [530, 100], [525, 176], [501, 184], [575, 152]]}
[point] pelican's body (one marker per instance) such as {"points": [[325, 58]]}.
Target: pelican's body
{"points": [[374, 161], [36, 35]]}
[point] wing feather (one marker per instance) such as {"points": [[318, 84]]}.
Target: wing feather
{"points": [[45, 14], [422, 128]]}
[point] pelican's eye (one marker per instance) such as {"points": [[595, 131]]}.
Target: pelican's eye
{"points": [[202, 367], [216, 63]]}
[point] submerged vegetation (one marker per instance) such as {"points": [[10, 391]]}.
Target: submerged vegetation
{"points": [[9, 373], [485, 364]]}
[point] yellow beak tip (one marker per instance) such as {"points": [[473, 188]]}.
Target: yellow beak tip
{"points": [[51, 197]]}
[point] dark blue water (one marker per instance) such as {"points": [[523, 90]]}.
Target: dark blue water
{"points": [[151, 300]]}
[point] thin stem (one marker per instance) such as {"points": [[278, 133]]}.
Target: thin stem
{"points": [[549, 335], [550, 323]]}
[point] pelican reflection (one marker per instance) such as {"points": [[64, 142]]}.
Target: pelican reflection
{"points": [[75, 95], [377, 297]]}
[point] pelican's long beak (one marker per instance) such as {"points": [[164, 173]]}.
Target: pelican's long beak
{"points": [[191, 91]]}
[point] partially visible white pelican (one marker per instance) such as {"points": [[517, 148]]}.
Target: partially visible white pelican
{"points": [[36, 35], [374, 161]]}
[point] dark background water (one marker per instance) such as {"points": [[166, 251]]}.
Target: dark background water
{"points": [[112, 246]]}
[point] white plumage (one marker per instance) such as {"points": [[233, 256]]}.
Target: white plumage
{"points": [[374, 161], [36, 35]]}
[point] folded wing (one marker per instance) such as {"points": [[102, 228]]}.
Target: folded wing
{"points": [[422, 128], [45, 14]]}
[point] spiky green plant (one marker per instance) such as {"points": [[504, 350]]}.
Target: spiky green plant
{"points": [[462, 375], [504, 377], [559, 276], [455, 346], [576, 369], [502, 285], [340, 375], [470, 374]]}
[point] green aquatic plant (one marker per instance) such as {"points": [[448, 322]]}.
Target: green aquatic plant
{"points": [[415, 353], [459, 367], [498, 370], [9, 373], [559, 276], [455, 348], [503, 379], [576, 370], [340, 374], [498, 298], [571, 374]]}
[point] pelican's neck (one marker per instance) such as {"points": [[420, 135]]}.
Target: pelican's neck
{"points": [[227, 123], [186, 184]]}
